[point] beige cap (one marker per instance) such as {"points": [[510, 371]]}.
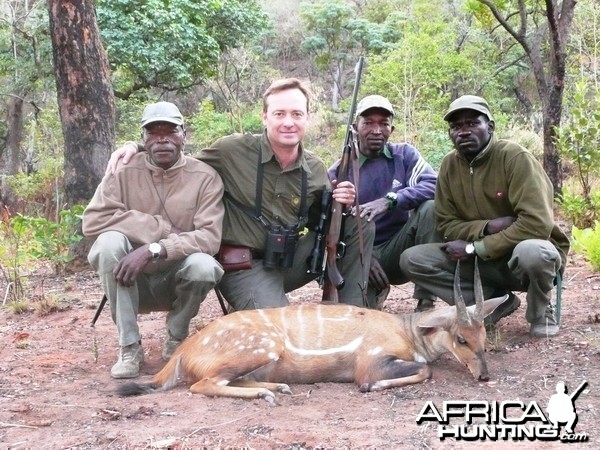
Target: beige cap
{"points": [[374, 101], [162, 112], [469, 102]]}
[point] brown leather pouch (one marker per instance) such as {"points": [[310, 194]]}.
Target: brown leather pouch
{"points": [[235, 257]]}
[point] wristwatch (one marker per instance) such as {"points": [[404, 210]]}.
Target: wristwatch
{"points": [[470, 248], [155, 248], [392, 199]]}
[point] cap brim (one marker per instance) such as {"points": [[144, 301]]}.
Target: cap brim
{"points": [[449, 114], [364, 110], [162, 119]]}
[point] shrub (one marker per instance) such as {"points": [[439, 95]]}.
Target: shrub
{"points": [[587, 242]]}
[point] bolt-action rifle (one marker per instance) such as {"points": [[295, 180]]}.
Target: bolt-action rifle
{"points": [[331, 279]]}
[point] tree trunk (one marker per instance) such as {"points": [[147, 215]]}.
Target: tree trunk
{"points": [[546, 50], [15, 135], [85, 96], [13, 147]]}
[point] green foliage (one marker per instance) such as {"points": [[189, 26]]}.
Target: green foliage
{"points": [[29, 239], [425, 71], [173, 44], [25, 49], [336, 35], [587, 241], [577, 210], [578, 140], [209, 125], [37, 190]]}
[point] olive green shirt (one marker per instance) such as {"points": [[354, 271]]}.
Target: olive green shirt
{"points": [[235, 158]]}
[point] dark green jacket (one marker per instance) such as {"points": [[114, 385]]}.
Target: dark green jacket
{"points": [[504, 179]]}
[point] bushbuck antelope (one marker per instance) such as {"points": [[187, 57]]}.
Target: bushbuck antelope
{"points": [[251, 354]]}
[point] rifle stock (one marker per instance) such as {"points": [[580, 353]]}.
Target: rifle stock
{"points": [[334, 281]]}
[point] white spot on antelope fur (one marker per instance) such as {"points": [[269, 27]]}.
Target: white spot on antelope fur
{"points": [[265, 318], [223, 383], [375, 351], [348, 348], [206, 340], [220, 332], [242, 347], [419, 358], [274, 356]]}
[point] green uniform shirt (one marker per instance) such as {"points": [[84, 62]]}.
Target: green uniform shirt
{"points": [[235, 158]]}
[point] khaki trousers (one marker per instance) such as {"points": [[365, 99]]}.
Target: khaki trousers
{"points": [[178, 287]]}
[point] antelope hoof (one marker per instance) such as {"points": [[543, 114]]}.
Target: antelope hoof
{"points": [[484, 378], [284, 389], [365, 387], [268, 396]]}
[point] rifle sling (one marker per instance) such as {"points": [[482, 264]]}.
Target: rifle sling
{"points": [[359, 226]]}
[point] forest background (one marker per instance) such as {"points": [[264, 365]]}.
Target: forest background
{"points": [[76, 75]]}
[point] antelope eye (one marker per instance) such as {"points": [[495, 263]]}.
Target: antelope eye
{"points": [[461, 340]]}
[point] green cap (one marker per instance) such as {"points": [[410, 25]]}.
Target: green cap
{"points": [[469, 102]]}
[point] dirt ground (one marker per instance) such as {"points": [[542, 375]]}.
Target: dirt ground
{"points": [[56, 391]]}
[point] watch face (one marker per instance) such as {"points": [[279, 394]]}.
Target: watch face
{"points": [[391, 195], [155, 249], [470, 249]]}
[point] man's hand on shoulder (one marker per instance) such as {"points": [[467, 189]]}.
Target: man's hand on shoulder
{"points": [[122, 155]]}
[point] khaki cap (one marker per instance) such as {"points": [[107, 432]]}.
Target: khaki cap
{"points": [[374, 101], [162, 112]]}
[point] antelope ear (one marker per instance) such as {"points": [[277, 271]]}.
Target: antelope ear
{"points": [[440, 318], [490, 305]]}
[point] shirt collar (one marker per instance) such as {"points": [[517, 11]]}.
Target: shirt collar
{"points": [[268, 155], [386, 153]]}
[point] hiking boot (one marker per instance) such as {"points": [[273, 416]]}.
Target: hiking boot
{"points": [[504, 310], [546, 327], [424, 304], [130, 360], [170, 346]]}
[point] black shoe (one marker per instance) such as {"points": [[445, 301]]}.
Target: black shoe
{"points": [[424, 304], [504, 310]]}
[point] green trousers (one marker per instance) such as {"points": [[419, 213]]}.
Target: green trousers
{"points": [[531, 267], [262, 287], [419, 229]]}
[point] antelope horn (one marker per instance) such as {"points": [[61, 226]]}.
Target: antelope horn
{"points": [[478, 292], [461, 310]]}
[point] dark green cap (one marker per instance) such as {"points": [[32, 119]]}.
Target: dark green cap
{"points": [[469, 102]]}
